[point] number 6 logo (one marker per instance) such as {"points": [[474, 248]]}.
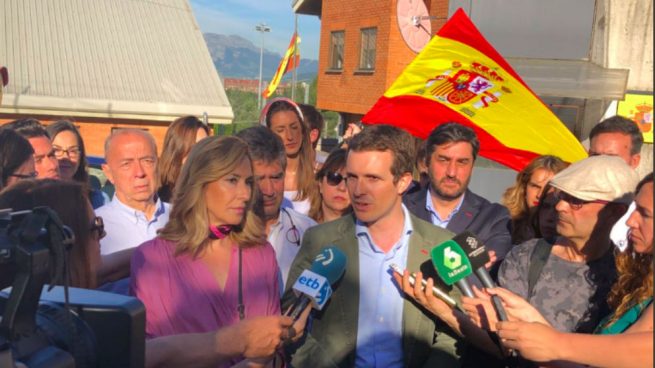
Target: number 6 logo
{"points": [[452, 259]]}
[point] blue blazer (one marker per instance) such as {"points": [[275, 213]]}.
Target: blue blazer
{"points": [[489, 221]]}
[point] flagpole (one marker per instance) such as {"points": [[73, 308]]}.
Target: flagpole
{"points": [[295, 52]]}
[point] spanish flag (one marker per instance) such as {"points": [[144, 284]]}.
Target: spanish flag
{"points": [[290, 60], [460, 77]]}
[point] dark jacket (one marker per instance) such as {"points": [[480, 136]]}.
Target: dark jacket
{"points": [[489, 221]]}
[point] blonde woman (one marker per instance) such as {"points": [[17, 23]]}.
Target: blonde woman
{"points": [[522, 198], [211, 265]]}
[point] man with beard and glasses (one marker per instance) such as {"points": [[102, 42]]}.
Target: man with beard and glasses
{"points": [[447, 202]]}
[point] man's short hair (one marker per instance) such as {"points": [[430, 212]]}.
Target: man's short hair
{"points": [[28, 128], [264, 145], [452, 133], [313, 117], [387, 138], [620, 124]]}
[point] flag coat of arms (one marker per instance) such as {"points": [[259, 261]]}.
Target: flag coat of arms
{"points": [[460, 77]]}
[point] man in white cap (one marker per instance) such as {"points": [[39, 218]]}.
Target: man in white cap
{"points": [[568, 280]]}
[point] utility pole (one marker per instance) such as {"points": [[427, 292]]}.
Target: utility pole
{"points": [[261, 28], [295, 52]]}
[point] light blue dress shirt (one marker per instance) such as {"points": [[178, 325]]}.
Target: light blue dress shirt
{"points": [[434, 215], [380, 322], [128, 228]]}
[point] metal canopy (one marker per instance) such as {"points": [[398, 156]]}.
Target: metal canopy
{"points": [[571, 78]]}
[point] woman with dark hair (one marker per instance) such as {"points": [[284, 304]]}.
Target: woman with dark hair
{"points": [[284, 118], [333, 201], [69, 150], [68, 200], [625, 337], [16, 158], [211, 266], [180, 137], [522, 198]]}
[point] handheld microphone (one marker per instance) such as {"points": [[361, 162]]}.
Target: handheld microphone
{"points": [[314, 285], [452, 265], [478, 256]]}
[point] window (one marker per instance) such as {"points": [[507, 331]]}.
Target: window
{"points": [[336, 50], [367, 48]]}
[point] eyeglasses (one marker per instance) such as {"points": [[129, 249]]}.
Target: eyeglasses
{"points": [[99, 226], [574, 202], [334, 179], [31, 175], [293, 235], [71, 152]]}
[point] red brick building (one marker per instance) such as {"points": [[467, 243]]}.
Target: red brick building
{"points": [[374, 52]]}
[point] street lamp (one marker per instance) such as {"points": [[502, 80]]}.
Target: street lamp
{"points": [[262, 28]]}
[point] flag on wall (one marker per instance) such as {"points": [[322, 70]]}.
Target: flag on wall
{"points": [[460, 77], [290, 61]]}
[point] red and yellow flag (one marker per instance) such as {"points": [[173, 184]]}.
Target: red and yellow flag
{"points": [[290, 61], [460, 77]]}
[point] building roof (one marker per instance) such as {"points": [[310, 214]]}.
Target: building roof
{"points": [[136, 59]]}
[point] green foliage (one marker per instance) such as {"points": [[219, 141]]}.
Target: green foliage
{"points": [[246, 114]]}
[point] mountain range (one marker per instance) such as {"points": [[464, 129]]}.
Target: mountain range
{"points": [[236, 57]]}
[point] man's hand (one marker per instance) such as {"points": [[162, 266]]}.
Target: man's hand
{"points": [[422, 295]]}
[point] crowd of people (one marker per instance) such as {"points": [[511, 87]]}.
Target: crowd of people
{"points": [[212, 234]]}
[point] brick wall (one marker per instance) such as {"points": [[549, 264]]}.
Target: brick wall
{"points": [[95, 131], [350, 91]]}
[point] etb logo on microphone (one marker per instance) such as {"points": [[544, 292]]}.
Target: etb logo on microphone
{"points": [[451, 262], [315, 286]]}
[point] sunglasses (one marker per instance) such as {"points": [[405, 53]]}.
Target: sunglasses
{"points": [[99, 226], [334, 178], [574, 202]]}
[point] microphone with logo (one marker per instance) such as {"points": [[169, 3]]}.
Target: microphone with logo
{"points": [[314, 285], [452, 265], [477, 254]]}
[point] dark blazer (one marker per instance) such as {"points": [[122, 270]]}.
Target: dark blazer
{"points": [[489, 221], [332, 339]]}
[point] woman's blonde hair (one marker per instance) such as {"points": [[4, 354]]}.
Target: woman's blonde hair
{"points": [[514, 197], [209, 160]]}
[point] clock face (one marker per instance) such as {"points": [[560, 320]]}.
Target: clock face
{"points": [[414, 23]]}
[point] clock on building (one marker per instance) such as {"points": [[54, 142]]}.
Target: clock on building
{"points": [[414, 23]]}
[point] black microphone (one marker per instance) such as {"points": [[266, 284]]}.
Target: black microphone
{"points": [[314, 285], [478, 256]]}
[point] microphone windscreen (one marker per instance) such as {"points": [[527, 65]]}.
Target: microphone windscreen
{"points": [[450, 261], [330, 263], [474, 249]]}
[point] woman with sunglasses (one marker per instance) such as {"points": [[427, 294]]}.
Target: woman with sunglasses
{"points": [[69, 201], [16, 159], [334, 200], [210, 267], [70, 153], [180, 137], [284, 118]]}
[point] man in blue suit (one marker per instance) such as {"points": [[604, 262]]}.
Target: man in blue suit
{"points": [[447, 202]]}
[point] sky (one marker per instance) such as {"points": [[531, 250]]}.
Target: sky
{"points": [[241, 16]]}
